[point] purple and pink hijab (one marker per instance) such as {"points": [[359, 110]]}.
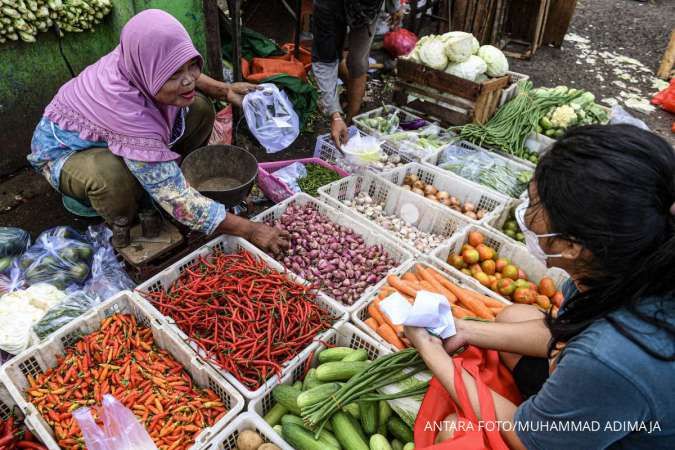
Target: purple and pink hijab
{"points": [[113, 99]]}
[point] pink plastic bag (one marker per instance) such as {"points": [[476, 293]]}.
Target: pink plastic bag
{"points": [[222, 127], [121, 430]]}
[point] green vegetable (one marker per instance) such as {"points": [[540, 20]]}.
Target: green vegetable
{"points": [[369, 420], [396, 445], [399, 429], [292, 419], [340, 371], [310, 380], [301, 439], [409, 446], [275, 414], [379, 442], [353, 409], [359, 355], [297, 385], [317, 394], [288, 397], [334, 354], [384, 412], [317, 176], [349, 436]]}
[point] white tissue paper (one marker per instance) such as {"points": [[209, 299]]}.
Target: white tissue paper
{"points": [[430, 311]]}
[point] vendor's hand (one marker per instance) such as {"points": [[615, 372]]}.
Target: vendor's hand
{"points": [[269, 238], [237, 91], [455, 343], [338, 131], [420, 338]]}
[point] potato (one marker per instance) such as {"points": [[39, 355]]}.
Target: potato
{"points": [[268, 446], [249, 440]]}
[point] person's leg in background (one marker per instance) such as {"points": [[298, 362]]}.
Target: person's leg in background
{"points": [[360, 41], [198, 126], [103, 180]]}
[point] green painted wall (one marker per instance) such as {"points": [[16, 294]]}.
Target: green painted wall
{"points": [[30, 74]]}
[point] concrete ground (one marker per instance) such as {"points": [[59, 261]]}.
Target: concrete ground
{"points": [[615, 48]]}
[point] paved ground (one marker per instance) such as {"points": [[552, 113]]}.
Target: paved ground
{"points": [[605, 33]]}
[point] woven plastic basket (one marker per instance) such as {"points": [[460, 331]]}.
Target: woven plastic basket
{"points": [[464, 190], [37, 359], [505, 248], [359, 316], [370, 235], [228, 244], [276, 189], [227, 439], [432, 219], [498, 159], [512, 89]]}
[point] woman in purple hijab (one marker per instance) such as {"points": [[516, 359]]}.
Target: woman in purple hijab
{"points": [[114, 134]]}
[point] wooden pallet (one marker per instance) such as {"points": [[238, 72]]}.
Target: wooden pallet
{"points": [[524, 26], [445, 97]]}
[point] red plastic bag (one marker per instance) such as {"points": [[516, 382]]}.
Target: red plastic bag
{"points": [[399, 42], [490, 374], [666, 98], [222, 127]]}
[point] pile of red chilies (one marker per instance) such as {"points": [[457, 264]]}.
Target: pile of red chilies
{"points": [[14, 435], [246, 317]]}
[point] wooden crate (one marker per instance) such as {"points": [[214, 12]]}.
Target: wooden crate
{"points": [[482, 18], [523, 28], [447, 98]]}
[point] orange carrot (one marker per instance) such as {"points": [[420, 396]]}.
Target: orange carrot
{"points": [[385, 292], [469, 302], [490, 302], [459, 312], [428, 287], [372, 323], [434, 278], [495, 309], [375, 313], [410, 277], [389, 335], [404, 287]]}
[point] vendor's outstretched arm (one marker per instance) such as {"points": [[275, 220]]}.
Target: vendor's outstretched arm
{"points": [[260, 235], [232, 92], [441, 365]]}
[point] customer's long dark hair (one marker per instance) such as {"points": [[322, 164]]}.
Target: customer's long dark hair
{"points": [[611, 188]]}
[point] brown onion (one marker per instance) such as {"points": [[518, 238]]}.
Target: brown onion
{"points": [[442, 194], [419, 184], [469, 207], [406, 187], [430, 190], [432, 198], [418, 191]]}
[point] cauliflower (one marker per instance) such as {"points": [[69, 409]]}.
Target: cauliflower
{"points": [[563, 116]]}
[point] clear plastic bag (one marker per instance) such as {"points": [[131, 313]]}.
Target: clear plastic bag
{"points": [[107, 275], [60, 257], [13, 241], [271, 118], [59, 315], [121, 430], [11, 281], [291, 174]]}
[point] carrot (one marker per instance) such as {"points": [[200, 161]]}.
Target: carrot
{"points": [[495, 309], [372, 323], [434, 277], [375, 313], [410, 277], [459, 312], [385, 319], [425, 285], [471, 303], [490, 302], [404, 287], [389, 335]]}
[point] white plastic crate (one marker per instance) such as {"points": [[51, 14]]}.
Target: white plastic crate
{"points": [[497, 223], [415, 152], [7, 403], [359, 316], [464, 190], [346, 335], [229, 244], [326, 150], [499, 159], [512, 90], [433, 219], [505, 248], [38, 359], [370, 235], [227, 439]]}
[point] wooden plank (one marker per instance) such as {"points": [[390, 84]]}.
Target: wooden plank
{"points": [[213, 45], [446, 116], [480, 12], [668, 59], [459, 9], [559, 18], [419, 74]]}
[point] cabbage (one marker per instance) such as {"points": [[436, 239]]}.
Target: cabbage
{"points": [[497, 65], [475, 45], [469, 69], [432, 54], [480, 78], [458, 47]]}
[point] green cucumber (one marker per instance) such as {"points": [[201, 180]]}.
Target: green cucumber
{"points": [[382, 429], [357, 355], [275, 414], [310, 380], [399, 429], [369, 420], [298, 385], [340, 371], [334, 354], [278, 429], [409, 446], [295, 420], [357, 426], [396, 445], [353, 409], [384, 413], [379, 442], [301, 439], [346, 433], [329, 438], [287, 395], [325, 435], [317, 394]]}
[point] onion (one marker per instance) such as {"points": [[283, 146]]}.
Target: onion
{"points": [[445, 201], [471, 215], [440, 195], [409, 180], [469, 207], [480, 214], [406, 187], [432, 198], [419, 184], [418, 191], [454, 200], [430, 190]]}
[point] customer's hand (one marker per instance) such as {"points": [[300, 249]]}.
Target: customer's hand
{"points": [[269, 238], [420, 338], [338, 131], [456, 343], [237, 91]]}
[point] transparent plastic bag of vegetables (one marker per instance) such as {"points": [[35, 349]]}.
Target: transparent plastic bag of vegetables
{"points": [[13, 242], [72, 307], [467, 163], [108, 276], [271, 118], [12, 281], [60, 257]]}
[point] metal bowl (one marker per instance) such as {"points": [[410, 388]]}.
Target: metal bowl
{"points": [[224, 173]]}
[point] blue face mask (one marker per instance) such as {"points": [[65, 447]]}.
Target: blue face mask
{"points": [[532, 238]]}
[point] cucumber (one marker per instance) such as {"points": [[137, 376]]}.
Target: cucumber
{"points": [[382, 429], [340, 371], [334, 354], [329, 438], [409, 446], [369, 420], [298, 385], [325, 435], [275, 414], [317, 394], [384, 413], [358, 428], [379, 442], [399, 429], [292, 419], [310, 380], [278, 429], [346, 433], [353, 409], [396, 445], [357, 355], [288, 396], [301, 439]]}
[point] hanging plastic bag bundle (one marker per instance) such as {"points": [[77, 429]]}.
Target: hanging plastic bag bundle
{"points": [[271, 118], [121, 430], [13, 242]]}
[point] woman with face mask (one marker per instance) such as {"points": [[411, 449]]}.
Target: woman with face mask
{"points": [[602, 207], [113, 135]]}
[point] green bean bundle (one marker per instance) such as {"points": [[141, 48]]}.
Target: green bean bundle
{"points": [[316, 177]]}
